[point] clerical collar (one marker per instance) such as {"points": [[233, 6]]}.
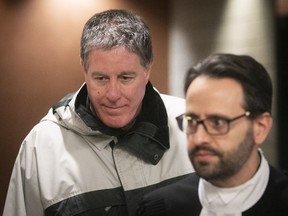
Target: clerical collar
{"points": [[233, 201]]}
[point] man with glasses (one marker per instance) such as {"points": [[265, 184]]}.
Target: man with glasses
{"points": [[228, 117]]}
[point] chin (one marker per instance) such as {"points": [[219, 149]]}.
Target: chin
{"points": [[116, 123]]}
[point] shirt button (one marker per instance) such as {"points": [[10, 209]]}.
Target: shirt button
{"points": [[156, 156]]}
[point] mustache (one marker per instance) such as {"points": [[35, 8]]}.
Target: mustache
{"points": [[196, 149]]}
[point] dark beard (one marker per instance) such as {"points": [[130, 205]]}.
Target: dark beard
{"points": [[229, 162]]}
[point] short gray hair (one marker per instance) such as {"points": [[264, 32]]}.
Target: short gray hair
{"points": [[115, 28]]}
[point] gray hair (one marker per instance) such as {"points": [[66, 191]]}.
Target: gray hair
{"points": [[115, 28]]}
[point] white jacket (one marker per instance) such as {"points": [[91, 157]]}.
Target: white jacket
{"points": [[65, 167]]}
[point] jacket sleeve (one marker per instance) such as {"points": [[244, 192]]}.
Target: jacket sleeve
{"points": [[23, 196]]}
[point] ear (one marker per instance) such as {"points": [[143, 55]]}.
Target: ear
{"points": [[148, 72], [261, 127], [83, 66]]}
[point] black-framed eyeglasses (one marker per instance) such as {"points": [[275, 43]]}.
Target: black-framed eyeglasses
{"points": [[214, 125]]}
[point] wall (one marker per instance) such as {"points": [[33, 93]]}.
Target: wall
{"points": [[282, 79], [199, 28], [39, 61]]}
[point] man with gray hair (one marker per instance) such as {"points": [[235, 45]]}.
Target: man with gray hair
{"points": [[99, 150]]}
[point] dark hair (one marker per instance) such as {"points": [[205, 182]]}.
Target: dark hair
{"points": [[253, 77], [114, 28]]}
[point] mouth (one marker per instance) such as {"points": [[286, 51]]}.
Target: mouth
{"points": [[203, 154], [113, 109]]}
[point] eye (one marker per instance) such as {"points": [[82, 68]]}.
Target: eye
{"points": [[127, 77], [100, 78], [216, 122]]}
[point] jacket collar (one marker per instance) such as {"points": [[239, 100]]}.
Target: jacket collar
{"points": [[148, 138]]}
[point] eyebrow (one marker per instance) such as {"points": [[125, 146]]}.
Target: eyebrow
{"points": [[118, 74], [128, 73], [208, 116]]}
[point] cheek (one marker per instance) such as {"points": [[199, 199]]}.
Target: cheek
{"points": [[237, 136], [137, 91], [94, 93], [189, 143], [231, 142], [134, 96]]}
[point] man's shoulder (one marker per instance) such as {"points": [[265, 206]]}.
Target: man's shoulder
{"points": [[180, 198], [278, 180], [189, 184], [279, 176], [275, 198]]}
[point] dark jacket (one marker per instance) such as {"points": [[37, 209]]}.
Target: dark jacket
{"points": [[182, 198]]}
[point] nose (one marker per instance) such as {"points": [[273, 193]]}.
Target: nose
{"points": [[200, 136], [113, 91]]}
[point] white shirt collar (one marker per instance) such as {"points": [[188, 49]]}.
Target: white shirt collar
{"points": [[233, 201]]}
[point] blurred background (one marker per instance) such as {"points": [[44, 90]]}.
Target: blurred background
{"points": [[39, 56]]}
